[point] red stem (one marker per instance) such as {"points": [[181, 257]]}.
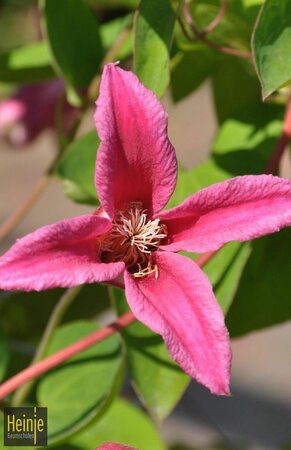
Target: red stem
{"points": [[63, 355], [282, 143], [273, 164], [202, 36]]}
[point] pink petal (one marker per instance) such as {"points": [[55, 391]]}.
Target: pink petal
{"points": [[180, 305], [114, 446], [11, 111], [135, 160], [60, 255], [241, 209]]}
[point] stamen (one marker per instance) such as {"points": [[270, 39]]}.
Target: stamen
{"points": [[133, 239], [147, 271]]}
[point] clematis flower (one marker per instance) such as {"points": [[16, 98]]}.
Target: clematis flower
{"points": [[31, 110], [130, 241], [114, 446]]}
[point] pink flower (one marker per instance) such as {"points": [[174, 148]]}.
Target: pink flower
{"points": [[114, 446], [130, 242], [31, 110]]}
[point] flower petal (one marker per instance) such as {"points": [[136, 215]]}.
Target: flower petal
{"points": [[180, 305], [241, 209], [114, 446], [23, 117], [59, 255], [135, 160]]}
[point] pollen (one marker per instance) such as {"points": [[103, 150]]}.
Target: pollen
{"points": [[133, 239]]}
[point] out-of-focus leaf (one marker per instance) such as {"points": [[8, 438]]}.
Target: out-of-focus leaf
{"points": [[235, 87], [123, 423], [191, 181], [80, 389], [190, 69], [113, 4], [6, 90], [17, 24], [246, 141], [225, 269], [77, 169], [154, 27], [271, 45], [24, 314], [4, 354], [27, 64], [157, 380], [74, 39], [263, 297], [111, 31], [185, 447]]}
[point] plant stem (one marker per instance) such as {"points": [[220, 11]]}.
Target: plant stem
{"points": [[273, 164], [201, 35], [202, 260], [282, 143], [13, 220], [54, 320], [63, 355], [216, 21]]}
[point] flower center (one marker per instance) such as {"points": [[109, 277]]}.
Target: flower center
{"points": [[133, 239]]}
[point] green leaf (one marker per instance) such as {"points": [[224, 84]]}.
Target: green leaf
{"points": [[263, 297], [154, 27], [24, 314], [157, 380], [113, 4], [27, 64], [190, 69], [191, 181], [77, 169], [225, 269], [4, 352], [271, 45], [246, 141], [123, 423], [80, 389], [228, 75], [74, 39]]}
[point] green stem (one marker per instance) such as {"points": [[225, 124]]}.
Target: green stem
{"points": [[54, 320]]}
